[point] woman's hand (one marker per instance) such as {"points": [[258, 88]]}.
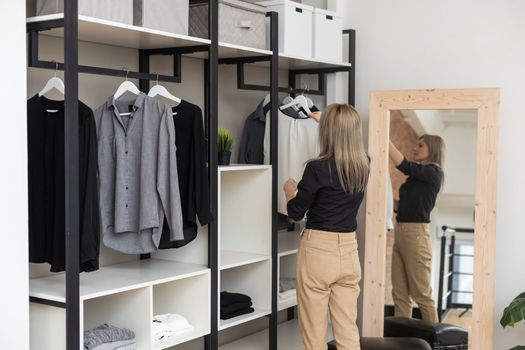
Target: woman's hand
{"points": [[290, 187], [315, 116]]}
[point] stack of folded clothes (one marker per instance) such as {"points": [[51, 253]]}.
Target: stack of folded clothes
{"points": [[107, 337], [287, 288], [169, 325], [235, 304]]}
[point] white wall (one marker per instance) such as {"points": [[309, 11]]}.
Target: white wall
{"points": [[14, 323], [457, 44]]}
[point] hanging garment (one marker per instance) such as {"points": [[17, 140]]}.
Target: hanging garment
{"points": [[138, 174], [298, 142], [46, 177], [251, 149], [193, 174]]}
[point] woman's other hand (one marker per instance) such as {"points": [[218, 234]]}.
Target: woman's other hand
{"points": [[290, 187], [315, 116]]}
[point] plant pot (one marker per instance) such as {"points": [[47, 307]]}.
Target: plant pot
{"points": [[224, 158]]}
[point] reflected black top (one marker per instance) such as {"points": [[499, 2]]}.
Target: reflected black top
{"points": [[417, 196]]}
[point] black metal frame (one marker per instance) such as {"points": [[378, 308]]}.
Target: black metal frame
{"points": [[449, 275], [71, 71]]}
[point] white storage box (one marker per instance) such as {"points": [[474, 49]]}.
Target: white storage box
{"points": [[166, 15], [240, 22], [295, 26], [114, 10], [328, 36]]}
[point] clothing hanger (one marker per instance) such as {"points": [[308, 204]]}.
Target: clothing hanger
{"points": [[311, 104], [301, 102], [126, 86], [159, 90], [55, 83]]}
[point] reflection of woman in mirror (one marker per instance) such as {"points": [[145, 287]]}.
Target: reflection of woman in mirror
{"points": [[330, 193], [412, 253]]}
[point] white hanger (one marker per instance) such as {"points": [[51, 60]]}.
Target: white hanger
{"points": [[126, 86], [300, 101], [55, 83], [159, 90]]}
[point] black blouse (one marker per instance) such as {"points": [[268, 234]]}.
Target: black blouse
{"points": [[322, 197], [192, 173], [417, 196], [45, 141]]}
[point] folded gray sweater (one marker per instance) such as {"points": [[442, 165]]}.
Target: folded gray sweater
{"points": [[106, 334]]}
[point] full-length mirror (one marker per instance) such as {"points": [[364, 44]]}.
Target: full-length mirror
{"points": [[430, 241], [431, 216]]}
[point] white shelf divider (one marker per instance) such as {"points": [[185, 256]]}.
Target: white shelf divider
{"points": [[243, 167], [116, 278], [230, 259], [224, 324]]}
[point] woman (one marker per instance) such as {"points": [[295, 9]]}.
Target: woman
{"points": [[412, 254], [330, 192]]}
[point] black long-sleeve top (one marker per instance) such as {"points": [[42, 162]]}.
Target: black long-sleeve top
{"points": [[192, 173], [45, 141], [417, 196], [322, 197]]}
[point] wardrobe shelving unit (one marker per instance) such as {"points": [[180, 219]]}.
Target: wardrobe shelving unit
{"points": [[63, 305]]}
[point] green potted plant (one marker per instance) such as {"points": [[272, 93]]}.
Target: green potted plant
{"points": [[225, 146], [513, 314]]}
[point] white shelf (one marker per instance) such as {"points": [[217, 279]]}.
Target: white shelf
{"points": [[116, 278], [288, 338], [183, 337], [120, 34], [106, 32], [243, 167], [286, 303], [224, 324], [288, 243], [229, 259], [297, 62]]}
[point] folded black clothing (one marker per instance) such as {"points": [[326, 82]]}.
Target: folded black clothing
{"points": [[238, 313], [229, 309], [228, 298]]}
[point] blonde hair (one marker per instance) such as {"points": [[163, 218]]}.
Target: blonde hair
{"points": [[436, 149], [341, 139]]}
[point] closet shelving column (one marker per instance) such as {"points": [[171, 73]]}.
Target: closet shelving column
{"points": [[129, 293]]}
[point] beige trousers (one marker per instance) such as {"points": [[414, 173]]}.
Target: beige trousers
{"points": [[411, 271], [328, 275]]}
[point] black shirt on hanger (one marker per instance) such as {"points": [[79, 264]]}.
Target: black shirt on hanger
{"points": [[192, 172], [322, 197], [46, 178], [417, 196]]}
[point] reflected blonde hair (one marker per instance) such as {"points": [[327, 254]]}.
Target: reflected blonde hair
{"points": [[436, 149], [341, 139]]}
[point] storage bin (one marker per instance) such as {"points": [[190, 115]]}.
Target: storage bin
{"points": [[295, 26], [166, 15], [240, 22], [114, 10], [327, 35]]}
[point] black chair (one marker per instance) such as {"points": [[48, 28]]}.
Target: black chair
{"points": [[389, 344], [439, 335]]}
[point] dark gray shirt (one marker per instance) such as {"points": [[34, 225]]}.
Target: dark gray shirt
{"points": [[251, 149], [138, 174]]}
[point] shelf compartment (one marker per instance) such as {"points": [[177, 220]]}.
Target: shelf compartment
{"points": [[245, 209], [252, 280], [243, 167], [230, 259], [130, 309], [287, 266], [189, 297], [288, 242], [116, 278]]}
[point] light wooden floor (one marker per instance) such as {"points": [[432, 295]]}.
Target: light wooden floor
{"points": [[464, 321]]}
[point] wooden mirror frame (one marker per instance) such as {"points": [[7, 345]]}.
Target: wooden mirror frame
{"points": [[486, 102]]}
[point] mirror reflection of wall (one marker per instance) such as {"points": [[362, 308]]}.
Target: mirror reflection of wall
{"points": [[454, 208]]}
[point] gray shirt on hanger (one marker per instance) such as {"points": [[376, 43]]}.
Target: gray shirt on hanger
{"points": [[138, 174]]}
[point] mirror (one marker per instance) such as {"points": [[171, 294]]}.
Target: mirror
{"points": [[430, 250], [467, 121]]}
